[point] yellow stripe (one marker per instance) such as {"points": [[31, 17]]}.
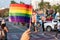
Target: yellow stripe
{"points": [[20, 11]]}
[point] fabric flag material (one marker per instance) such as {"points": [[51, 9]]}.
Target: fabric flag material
{"points": [[20, 13]]}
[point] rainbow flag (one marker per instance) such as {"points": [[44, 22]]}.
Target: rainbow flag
{"points": [[20, 13]]}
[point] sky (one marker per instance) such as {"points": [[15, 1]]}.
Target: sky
{"points": [[53, 1], [5, 3]]}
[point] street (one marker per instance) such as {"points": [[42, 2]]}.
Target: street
{"points": [[15, 32]]}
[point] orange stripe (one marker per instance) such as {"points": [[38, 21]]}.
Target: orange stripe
{"points": [[20, 8]]}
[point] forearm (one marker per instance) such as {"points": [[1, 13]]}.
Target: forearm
{"points": [[6, 29]]}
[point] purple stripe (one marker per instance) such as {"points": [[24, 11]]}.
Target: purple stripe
{"points": [[20, 19]]}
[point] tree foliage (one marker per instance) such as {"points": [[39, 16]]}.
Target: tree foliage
{"points": [[42, 4], [21, 2], [13, 2], [55, 7], [59, 8]]}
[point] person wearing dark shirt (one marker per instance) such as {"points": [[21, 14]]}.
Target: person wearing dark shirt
{"points": [[5, 29], [43, 25], [3, 26], [49, 18]]}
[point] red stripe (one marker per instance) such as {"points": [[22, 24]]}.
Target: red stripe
{"points": [[20, 5]]}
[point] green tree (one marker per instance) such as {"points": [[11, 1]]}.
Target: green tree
{"points": [[47, 4], [13, 2], [42, 4], [55, 7], [21, 2], [59, 8]]}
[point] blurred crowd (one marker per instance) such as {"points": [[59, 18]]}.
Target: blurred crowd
{"points": [[46, 14], [40, 16]]}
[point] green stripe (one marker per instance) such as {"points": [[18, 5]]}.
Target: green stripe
{"points": [[19, 14]]}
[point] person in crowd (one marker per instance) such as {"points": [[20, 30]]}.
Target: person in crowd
{"points": [[0, 22], [49, 18], [39, 15], [57, 15], [54, 14], [33, 21], [43, 21], [41, 18], [56, 31], [2, 35], [5, 29], [51, 11], [27, 25], [26, 35], [45, 9], [3, 22], [38, 18]]}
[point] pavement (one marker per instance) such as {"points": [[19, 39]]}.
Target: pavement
{"points": [[15, 32]]}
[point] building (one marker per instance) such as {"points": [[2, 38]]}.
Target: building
{"points": [[3, 12]]}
